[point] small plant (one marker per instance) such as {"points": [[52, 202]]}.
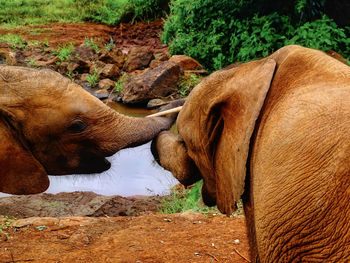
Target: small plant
{"points": [[185, 199], [120, 83], [92, 43], [93, 78], [15, 41], [33, 64], [71, 75], [4, 227], [110, 45], [64, 52], [187, 83]]}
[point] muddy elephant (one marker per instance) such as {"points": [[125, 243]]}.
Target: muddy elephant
{"points": [[275, 132], [50, 125]]}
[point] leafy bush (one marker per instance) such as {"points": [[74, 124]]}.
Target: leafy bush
{"points": [[221, 32]]}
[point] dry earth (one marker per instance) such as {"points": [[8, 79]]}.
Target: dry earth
{"points": [[141, 235]]}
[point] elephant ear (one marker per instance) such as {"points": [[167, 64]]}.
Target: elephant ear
{"points": [[20, 172], [236, 114]]}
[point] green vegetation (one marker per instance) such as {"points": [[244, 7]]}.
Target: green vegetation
{"points": [[4, 227], [110, 45], [15, 41], [93, 78], [31, 12], [94, 44], [187, 83], [182, 200], [64, 52], [20, 12], [120, 83], [220, 32]]}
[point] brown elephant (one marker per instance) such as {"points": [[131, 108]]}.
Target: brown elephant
{"points": [[50, 125], [275, 132]]}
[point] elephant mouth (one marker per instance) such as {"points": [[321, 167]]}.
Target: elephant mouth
{"points": [[87, 166], [94, 165]]}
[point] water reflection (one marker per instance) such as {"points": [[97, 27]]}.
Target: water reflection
{"points": [[133, 170]]}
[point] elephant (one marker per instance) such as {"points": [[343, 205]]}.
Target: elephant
{"points": [[51, 125], [274, 132]]}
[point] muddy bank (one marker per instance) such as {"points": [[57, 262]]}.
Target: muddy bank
{"points": [[76, 204]]}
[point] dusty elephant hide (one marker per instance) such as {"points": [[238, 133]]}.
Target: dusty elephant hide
{"points": [[277, 130]]}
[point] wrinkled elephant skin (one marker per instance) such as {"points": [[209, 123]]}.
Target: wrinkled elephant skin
{"points": [[50, 125], [275, 132]]}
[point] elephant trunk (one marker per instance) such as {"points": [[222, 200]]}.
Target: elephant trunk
{"points": [[131, 131]]}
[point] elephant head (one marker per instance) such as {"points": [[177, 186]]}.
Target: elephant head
{"points": [[277, 129], [50, 125], [215, 126]]}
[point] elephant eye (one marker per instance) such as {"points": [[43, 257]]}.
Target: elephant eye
{"points": [[77, 126]]}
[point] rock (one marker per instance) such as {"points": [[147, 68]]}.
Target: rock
{"points": [[187, 63], [81, 58], [158, 59], [7, 55], [155, 63], [83, 77], [72, 66], [109, 71], [106, 84], [102, 94], [11, 58], [114, 56], [84, 53], [155, 103], [96, 67], [63, 68], [48, 62], [156, 83], [138, 58]]}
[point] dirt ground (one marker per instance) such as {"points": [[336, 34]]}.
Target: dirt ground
{"points": [[85, 227], [124, 36]]}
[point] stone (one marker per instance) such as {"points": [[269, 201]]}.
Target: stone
{"points": [[155, 63], [72, 66], [113, 56], [96, 67], [109, 71], [155, 83], [7, 55], [82, 58], [11, 58], [84, 53], [138, 58], [187, 63], [102, 94], [83, 77], [106, 84], [48, 62], [155, 103]]}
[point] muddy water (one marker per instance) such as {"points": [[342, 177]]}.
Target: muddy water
{"points": [[133, 171]]}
